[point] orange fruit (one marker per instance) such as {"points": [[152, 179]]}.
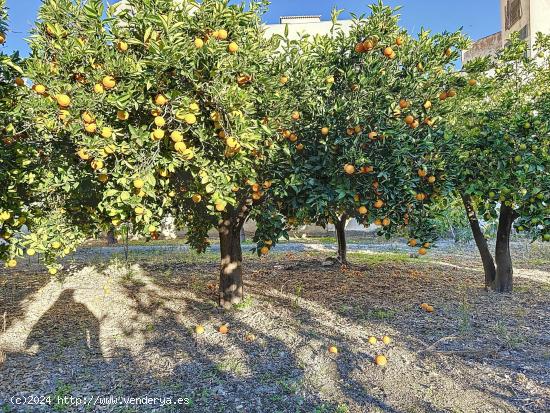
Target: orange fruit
{"points": [[158, 134], [386, 340], [283, 80], [427, 245], [138, 183], [451, 93], [176, 136], [443, 96], [19, 81], [90, 127], [379, 204], [373, 135], [199, 43], [409, 119], [161, 100], [122, 115], [368, 45], [222, 34], [106, 132], [333, 349], [220, 205], [40, 89], [224, 329], [372, 340], [403, 104], [422, 173], [199, 329], [423, 306], [431, 179], [380, 360], [413, 242], [388, 51], [108, 82], [324, 131], [295, 115], [472, 82], [427, 105], [97, 164], [422, 251], [386, 222], [429, 309], [63, 101], [363, 210], [232, 47], [264, 250], [122, 46], [359, 48], [349, 169], [399, 41], [87, 117]]}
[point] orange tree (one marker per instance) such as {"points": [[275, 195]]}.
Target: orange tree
{"points": [[16, 182], [10, 202], [500, 139], [150, 108], [364, 138]]}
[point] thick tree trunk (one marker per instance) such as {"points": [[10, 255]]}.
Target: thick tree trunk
{"points": [[481, 242], [340, 225], [504, 274], [231, 276]]}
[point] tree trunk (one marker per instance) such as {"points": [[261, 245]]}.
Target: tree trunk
{"points": [[481, 242], [231, 276], [111, 239], [340, 226], [504, 275]]}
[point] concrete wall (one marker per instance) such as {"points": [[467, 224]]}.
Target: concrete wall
{"points": [[487, 46], [540, 18]]}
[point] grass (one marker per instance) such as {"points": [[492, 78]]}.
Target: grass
{"points": [[380, 258]]}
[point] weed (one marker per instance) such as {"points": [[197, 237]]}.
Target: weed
{"points": [[244, 304], [298, 295]]}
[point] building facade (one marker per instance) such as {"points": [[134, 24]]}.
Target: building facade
{"points": [[528, 17], [301, 25]]}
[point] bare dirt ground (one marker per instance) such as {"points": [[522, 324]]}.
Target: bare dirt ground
{"points": [[103, 329]]}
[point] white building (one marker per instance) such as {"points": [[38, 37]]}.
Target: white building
{"points": [[528, 17], [300, 25]]}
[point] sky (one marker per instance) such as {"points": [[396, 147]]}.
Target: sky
{"points": [[436, 15]]}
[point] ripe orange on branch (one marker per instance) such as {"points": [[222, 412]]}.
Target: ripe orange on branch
{"points": [[108, 82], [349, 169]]}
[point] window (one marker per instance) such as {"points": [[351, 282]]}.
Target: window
{"points": [[524, 32], [512, 12]]}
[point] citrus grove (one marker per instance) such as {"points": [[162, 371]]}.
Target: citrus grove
{"points": [[363, 141], [124, 115]]}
